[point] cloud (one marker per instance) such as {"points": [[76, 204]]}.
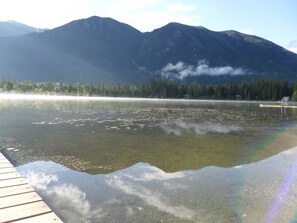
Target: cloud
{"points": [[293, 49], [180, 127], [120, 6], [181, 70], [37, 12], [144, 15], [247, 31], [292, 46], [180, 8]]}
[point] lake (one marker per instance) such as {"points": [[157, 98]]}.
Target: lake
{"points": [[140, 160]]}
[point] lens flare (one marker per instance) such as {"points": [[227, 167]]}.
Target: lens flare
{"points": [[283, 194], [284, 137]]}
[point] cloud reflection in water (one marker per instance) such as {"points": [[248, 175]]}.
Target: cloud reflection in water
{"points": [[180, 127], [69, 199], [129, 184]]}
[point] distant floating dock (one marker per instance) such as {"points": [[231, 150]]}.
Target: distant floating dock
{"points": [[18, 200], [277, 106]]}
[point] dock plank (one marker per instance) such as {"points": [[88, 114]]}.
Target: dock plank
{"points": [[5, 165], [21, 189], [24, 211], [50, 217], [3, 161], [19, 199], [12, 182], [8, 170], [7, 176], [276, 106]]}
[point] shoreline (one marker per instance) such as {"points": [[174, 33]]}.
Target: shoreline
{"points": [[41, 97]]}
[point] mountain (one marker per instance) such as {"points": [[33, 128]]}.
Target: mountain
{"points": [[12, 28], [103, 50], [245, 56]]}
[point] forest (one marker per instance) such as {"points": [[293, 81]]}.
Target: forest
{"points": [[259, 89]]}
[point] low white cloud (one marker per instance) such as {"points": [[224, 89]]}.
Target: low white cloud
{"points": [[181, 70], [179, 127]]}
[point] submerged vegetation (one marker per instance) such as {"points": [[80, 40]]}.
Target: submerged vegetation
{"points": [[261, 89]]}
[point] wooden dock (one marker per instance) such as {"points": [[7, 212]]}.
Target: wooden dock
{"points": [[18, 200], [277, 106]]}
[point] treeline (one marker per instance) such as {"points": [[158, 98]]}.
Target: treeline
{"points": [[260, 89]]}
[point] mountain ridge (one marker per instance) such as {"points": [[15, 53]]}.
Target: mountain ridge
{"points": [[13, 28], [103, 50]]}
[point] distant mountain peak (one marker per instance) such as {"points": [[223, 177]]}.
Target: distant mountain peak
{"points": [[14, 28], [179, 27], [12, 21], [102, 24], [176, 25]]}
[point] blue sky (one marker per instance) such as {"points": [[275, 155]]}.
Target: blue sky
{"points": [[275, 20]]}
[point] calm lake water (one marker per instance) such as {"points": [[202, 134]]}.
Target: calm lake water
{"points": [[125, 160]]}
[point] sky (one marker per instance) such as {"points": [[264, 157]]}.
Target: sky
{"points": [[275, 20]]}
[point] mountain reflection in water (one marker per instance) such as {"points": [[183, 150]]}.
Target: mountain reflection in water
{"points": [[265, 191]]}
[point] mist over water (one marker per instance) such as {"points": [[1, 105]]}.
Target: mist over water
{"points": [[125, 160]]}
